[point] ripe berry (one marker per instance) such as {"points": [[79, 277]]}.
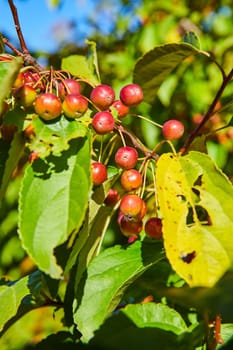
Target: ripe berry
{"points": [[126, 157], [103, 122], [153, 228], [25, 95], [74, 105], [130, 227], [122, 110], [98, 173], [48, 106], [68, 87], [132, 205], [102, 96], [172, 129], [112, 197], [131, 179], [131, 94], [19, 81]]}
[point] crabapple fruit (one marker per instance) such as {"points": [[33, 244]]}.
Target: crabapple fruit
{"points": [[172, 129], [126, 157], [102, 96], [98, 173], [74, 105], [131, 179], [48, 106], [153, 228], [132, 206], [131, 95], [103, 122]]}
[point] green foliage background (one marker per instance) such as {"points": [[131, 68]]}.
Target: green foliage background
{"points": [[184, 95]]}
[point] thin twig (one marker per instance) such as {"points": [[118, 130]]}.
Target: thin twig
{"points": [[18, 28], [16, 51], [208, 114]]}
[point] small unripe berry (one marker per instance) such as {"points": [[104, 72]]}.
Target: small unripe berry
{"points": [[102, 96], [98, 173], [126, 157], [25, 95], [173, 129], [103, 122], [131, 94], [131, 179]]}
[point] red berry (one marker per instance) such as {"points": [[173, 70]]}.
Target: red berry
{"points": [[102, 96], [130, 227], [25, 95], [122, 110], [126, 157], [153, 228], [172, 129], [48, 106], [74, 105], [132, 205], [68, 87], [98, 173], [131, 179], [131, 94], [103, 122], [112, 197]]}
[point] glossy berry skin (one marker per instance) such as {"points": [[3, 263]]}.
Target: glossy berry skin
{"points": [[74, 106], [102, 96], [132, 205], [98, 173], [68, 87], [103, 122], [130, 227], [153, 228], [131, 95], [25, 95], [112, 197], [126, 157], [48, 106], [131, 179], [172, 129], [122, 110]]}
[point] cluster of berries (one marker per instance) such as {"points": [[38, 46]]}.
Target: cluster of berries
{"points": [[31, 90]]}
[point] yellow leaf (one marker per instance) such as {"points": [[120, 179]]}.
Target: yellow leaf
{"points": [[196, 201]]}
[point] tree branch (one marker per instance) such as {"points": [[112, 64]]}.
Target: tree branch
{"points": [[208, 114]]}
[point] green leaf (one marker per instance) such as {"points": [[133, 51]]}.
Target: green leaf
{"points": [[155, 315], [82, 67], [92, 233], [156, 65], [108, 275], [8, 74], [53, 201], [10, 155], [192, 39], [54, 137], [195, 200], [128, 329], [11, 297]]}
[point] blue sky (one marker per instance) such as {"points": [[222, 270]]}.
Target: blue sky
{"points": [[39, 21]]}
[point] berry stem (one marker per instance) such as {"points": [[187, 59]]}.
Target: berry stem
{"points": [[208, 114], [136, 143], [147, 120]]}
